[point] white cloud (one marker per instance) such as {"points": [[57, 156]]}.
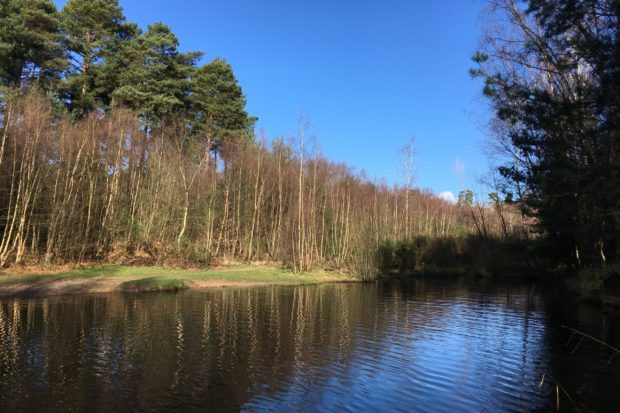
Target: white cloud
{"points": [[448, 196]]}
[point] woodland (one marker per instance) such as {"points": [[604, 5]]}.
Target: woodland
{"points": [[118, 147]]}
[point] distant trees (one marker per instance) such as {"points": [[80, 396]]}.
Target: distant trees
{"points": [[552, 75]]}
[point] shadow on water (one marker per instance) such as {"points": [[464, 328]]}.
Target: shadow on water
{"points": [[430, 345]]}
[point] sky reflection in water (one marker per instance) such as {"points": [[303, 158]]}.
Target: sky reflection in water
{"points": [[428, 346]]}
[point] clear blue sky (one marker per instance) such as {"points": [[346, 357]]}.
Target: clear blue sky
{"points": [[368, 74]]}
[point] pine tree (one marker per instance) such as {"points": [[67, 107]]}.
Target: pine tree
{"points": [[92, 30], [155, 79], [218, 105], [553, 79], [30, 48]]}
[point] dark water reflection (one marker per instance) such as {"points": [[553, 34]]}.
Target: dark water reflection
{"points": [[429, 346]]}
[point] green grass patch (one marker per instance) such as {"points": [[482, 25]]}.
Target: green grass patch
{"points": [[154, 284], [161, 278], [265, 275], [107, 270]]}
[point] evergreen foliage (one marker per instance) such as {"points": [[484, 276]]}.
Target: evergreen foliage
{"points": [[92, 30], [155, 82], [218, 105], [553, 79], [29, 42], [92, 59]]}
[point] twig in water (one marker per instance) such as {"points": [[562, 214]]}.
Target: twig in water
{"points": [[558, 387], [577, 345], [596, 340]]}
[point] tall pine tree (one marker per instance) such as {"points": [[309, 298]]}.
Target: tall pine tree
{"points": [[92, 30], [218, 106], [155, 79]]}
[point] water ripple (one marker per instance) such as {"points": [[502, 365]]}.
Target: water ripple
{"points": [[428, 347]]}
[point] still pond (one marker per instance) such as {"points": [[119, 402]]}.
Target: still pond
{"points": [[429, 345]]}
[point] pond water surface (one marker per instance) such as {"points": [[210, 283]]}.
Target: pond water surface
{"points": [[425, 346]]}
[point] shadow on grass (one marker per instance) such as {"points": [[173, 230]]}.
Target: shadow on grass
{"points": [[154, 284], [108, 270]]}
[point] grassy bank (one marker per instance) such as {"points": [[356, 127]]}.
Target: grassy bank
{"points": [[109, 278]]}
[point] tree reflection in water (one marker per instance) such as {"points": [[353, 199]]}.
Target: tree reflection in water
{"points": [[427, 346]]}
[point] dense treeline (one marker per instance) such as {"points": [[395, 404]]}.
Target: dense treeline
{"points": [[104, 188], [552, 72], [117, 146]]}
